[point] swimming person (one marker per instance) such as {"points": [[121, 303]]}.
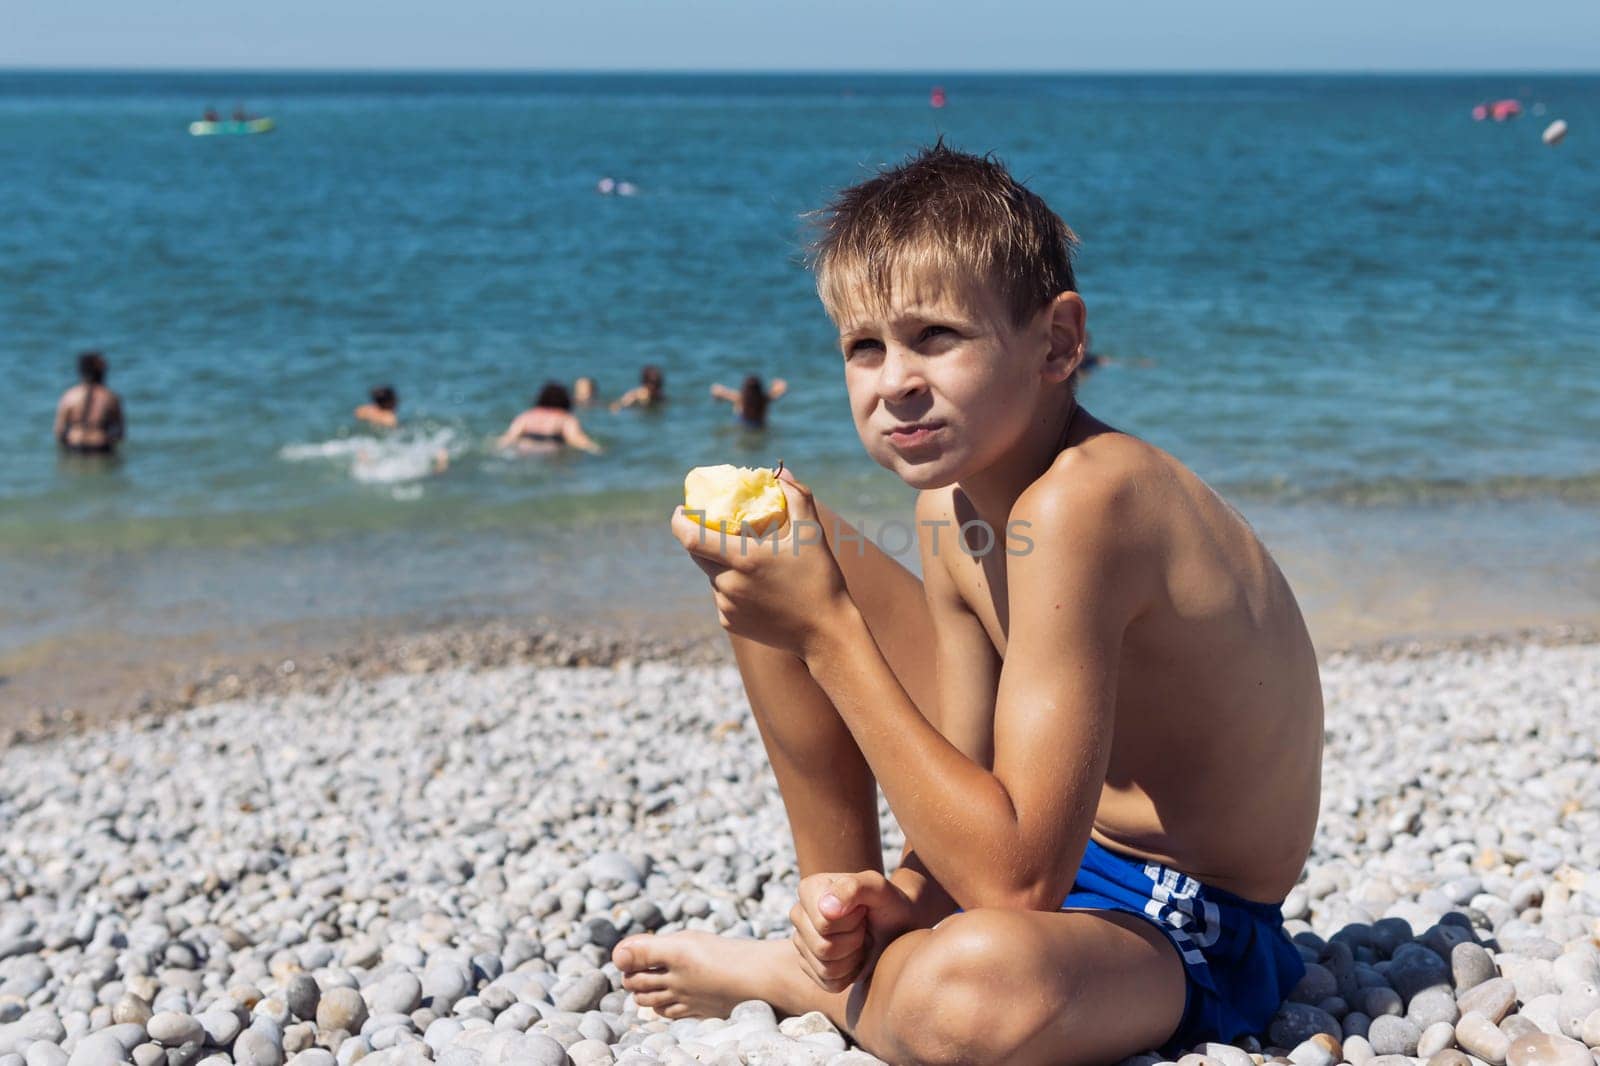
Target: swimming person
{"points": [[584, 392], [1096, 714], [548, 425], [750, 400], [383, 411], [89, 416], [647, 393]]}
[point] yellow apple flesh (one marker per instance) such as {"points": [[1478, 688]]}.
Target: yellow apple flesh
{"points": [[733, 499]]}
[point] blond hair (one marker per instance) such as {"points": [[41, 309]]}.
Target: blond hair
{"points": [[945, 214]]}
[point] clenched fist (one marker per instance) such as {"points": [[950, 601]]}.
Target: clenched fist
{"points": [[841, 919]]}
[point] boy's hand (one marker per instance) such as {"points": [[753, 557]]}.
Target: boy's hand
{"points": [[780, 590], [841, 919]]}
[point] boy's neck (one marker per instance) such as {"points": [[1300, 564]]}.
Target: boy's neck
{"points": [[995, 490]]}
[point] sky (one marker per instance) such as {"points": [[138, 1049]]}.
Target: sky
{"points": [[857, 35]]}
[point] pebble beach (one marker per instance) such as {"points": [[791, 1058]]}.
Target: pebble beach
{"points": [[433, 867]]}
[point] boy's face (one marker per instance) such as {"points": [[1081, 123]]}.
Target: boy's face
{"points": [[942, 383]]}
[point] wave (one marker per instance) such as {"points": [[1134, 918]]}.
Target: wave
{"points": [[401, 458]]}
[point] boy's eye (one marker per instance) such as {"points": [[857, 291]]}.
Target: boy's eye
{"points": [[864, 345], [936, 331]]}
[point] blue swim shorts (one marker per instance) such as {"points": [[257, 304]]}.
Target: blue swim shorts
{"points": [[1238, 964]]}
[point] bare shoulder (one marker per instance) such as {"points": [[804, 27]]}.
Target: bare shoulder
{"points": [[1101, 487], [1127, 487]]}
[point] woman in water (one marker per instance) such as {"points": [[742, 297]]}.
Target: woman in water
{"points": [[751, 400], [647, 393], [383, 410], [89, 415], [547, 425]]}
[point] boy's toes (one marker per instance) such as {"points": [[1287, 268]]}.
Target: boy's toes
{"points": [[656, 1001], [633, 954], [644, 981]]}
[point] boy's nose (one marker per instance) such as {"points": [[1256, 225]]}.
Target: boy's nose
{"points": [[898, 377]]}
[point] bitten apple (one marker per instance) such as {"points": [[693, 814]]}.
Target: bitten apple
{"points": [[733, 499]]}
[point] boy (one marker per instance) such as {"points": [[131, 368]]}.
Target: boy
{"points": [[1097, 717]]}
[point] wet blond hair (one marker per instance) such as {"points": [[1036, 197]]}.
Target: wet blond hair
{"points": [[942, 214]]}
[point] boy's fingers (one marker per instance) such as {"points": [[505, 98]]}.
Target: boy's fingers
{"points": [[712, 551], [798, 496], [820, 948], [861, 891]]}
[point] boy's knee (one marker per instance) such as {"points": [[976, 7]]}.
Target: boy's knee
{"points": [[950, 1003]]}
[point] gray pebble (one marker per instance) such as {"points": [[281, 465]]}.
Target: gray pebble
{"points": [[221, 1026], [1470, 966], [313, 1057], [1432, 1006], [1358, 1050], [399, 993], [589, 1053], [583, 993], [186, 1054], [1436, 1038], [99, 1049], [1392, 1035], [254, 1049], [301, 995], [170, 1029]]}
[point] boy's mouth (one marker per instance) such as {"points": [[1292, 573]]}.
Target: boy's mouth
{"points": [[913, 434]]}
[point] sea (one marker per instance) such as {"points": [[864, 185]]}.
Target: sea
{"points": [[1368, 320]]}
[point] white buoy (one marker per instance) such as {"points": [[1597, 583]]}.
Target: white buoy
{"points": [[1554, 132]]}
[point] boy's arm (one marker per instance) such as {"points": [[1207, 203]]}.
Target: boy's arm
{"points": [[968, 674], [1011, 836]]}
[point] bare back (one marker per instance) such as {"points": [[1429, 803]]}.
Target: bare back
{"points": [[1215, 765], [89, 417]]}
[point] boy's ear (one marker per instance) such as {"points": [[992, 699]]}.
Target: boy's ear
{"points": [[1067, 317]]}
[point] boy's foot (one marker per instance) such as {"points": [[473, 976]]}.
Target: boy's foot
{"points": [[701, 975]]}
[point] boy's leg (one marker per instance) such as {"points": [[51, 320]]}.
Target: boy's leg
{"points": [[984, 986], [828, 790]]}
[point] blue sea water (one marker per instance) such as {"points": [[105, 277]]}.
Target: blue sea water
{"points": [[1369, 320]]}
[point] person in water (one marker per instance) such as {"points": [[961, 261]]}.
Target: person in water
{"points": [[548, 424], [584, 392], [89, 415], [383, 410], [1060, 710], [647, 393], [750, 400], [210, 115]]}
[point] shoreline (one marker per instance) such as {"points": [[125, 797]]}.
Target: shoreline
{"points": [[153, 688]]}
